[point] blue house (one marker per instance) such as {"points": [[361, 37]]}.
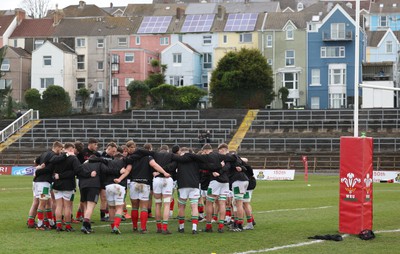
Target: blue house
{"points": [[331, 55], [384, 14]]}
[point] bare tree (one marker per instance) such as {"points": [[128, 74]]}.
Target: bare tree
{"points": [[35, 8]]}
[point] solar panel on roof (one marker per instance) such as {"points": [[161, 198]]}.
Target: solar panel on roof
{"points": [[154, 24], [241, 22], [198, 23]]}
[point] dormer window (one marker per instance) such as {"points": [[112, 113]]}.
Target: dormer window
{"points": [[289, 32]]}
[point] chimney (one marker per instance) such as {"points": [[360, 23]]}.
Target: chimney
{"points": [[179, 13], [57, 17], [81, 4], [111, 5], [20, 15], [220, 12]]}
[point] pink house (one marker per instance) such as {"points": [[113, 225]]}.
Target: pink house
{"points": [[134, 63]]}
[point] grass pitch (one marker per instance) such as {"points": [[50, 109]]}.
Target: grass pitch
{"points": [[286, 214]]}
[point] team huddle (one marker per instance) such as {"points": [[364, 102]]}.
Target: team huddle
{"points": [[218, 186]]}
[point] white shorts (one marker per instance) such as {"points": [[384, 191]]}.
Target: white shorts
{"points": [[239, 188], [66, 195], [191, 193], [115, 194], [162, 185], [203, 193], [218, 189], [41, 190], [139, 191], [247, 196]]}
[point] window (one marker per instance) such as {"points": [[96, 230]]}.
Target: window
{"points": [[314, 102], [338, 31], [80, 83], [128, 81], [80, 42], [290, 80], [15, 43], [137, 40], [100, 43], [315, 77], [38, 43], [164, 41], [81, 62], [337, 75], [289, 57], [225, 38], [245, 38], [289, 32], [269, 41], [176, 80], [46, 82], [337, 100], [177, 58], [383, 21], [114, 86], [269, 61], [5, 65], [47, 60], [207, 39], [5, 83], [122, 41], [332, 52], [129, 57], [100, 65], [207, 60], [127, 104], [389, 47]]}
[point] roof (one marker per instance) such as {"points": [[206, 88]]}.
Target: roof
{"points": [[385, 6], [5, 22], [292, 4], [20, 51], [115, 10], [140, 10], [84, 10], [34, 28], [100, 26], [63, 47], [277, 21], [251, 7], [375, 37], [199, 8]]}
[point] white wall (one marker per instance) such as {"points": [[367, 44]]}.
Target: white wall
{"points": [[378, 98]]}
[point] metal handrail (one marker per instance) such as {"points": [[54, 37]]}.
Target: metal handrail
{"points": [[311, 144], [165, 114], [18, 124]]}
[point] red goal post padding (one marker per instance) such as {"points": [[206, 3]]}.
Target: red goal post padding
{"points": [[356, 172]]}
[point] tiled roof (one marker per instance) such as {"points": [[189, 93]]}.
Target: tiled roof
{"points": [[85, 10], [251, 7], [139, 10], [276, 21], [292, 4], [20, 51], [63, 47], [100, 26], [388, 6], [34, 28], [5, 22], [375, 37]]}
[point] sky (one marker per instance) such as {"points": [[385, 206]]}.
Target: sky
{"points": [[12, 4]]}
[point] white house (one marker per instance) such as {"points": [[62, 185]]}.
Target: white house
{"points": [[54, 64], [183, 65]]}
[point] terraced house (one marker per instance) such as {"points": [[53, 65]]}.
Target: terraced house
{"points": [[309, 45]]}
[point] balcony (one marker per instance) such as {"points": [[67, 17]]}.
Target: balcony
{"points": [[346, 36]]}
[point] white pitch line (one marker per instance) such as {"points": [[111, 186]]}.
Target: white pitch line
{"points": [[11, 189], [294, 209], [284, 246], [307, 243]]}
